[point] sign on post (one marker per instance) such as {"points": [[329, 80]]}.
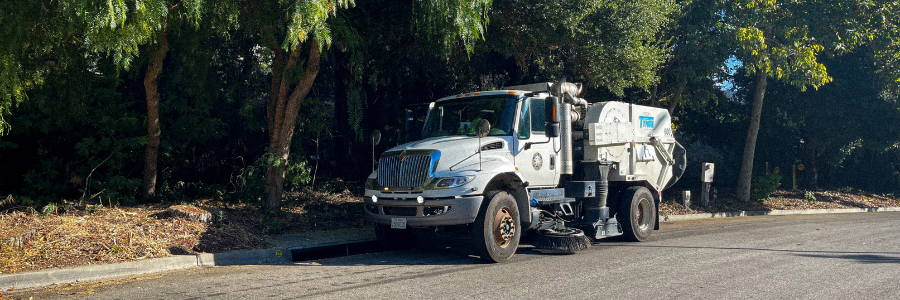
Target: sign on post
{"points": [[708, 172], [707, 178]]}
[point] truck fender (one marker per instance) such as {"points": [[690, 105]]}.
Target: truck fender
{"points": [[512, 183]]}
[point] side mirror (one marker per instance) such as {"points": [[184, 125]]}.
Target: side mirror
{"points": [[376, 137], [551, 109], [482, 128], [551, 105], [552, 130]]}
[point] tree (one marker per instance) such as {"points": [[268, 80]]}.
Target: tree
{"points": [[699, 48], [773, 40], [304, 31], [806, 121], [783, 40], [610, 44], [287, 30], [30, 31], [120, 29]]}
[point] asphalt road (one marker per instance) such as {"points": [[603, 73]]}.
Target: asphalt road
{"points": [[833, 256]]}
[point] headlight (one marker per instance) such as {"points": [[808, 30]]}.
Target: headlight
{"points": [[452, 182]]}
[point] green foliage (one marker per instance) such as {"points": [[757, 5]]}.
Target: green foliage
{"points": [[298, 173], [33, 45], [46, 183], [49, 208], [119, 28], [810, 196], [309, 18], [448, 21], [698, 51], [765, 185], [250, 184], [613, 44], [774, 39]]}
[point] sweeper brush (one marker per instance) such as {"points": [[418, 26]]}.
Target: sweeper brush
{"points": [[566, 240]]}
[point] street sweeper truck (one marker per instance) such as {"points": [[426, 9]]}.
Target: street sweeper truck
{"points": [[535, 161]]}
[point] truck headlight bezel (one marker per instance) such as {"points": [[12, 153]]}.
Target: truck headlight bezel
{"points": [[452, 182]]}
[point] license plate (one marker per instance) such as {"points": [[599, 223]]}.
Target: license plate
{"points": [[398, 223]]}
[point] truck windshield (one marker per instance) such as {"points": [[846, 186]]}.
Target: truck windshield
{"points": [[458, 117]]}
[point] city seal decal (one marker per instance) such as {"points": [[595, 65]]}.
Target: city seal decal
{"points": [[537, 161]]}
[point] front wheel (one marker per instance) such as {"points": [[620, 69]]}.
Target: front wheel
{"points": [[497, 229], [637, 213]]}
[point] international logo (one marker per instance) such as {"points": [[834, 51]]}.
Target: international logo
{"points": [[646, 122]]}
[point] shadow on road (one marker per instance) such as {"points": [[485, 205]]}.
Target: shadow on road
{"points": [[864, 257], [447, 256]]}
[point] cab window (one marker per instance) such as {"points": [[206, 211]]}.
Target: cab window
{"points": [[524, 131], [531, 118]]}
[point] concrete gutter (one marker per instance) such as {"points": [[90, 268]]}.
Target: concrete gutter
{"points": [[774, 213], [94, 272]]}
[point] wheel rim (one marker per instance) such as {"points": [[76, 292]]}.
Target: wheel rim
{"points": [[504, 227], [642, 214]]}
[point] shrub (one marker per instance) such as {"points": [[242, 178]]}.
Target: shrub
{"points": [[765, 185], [810, 197]]}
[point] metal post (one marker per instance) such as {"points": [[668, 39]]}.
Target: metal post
{"points": [[705, 194]]}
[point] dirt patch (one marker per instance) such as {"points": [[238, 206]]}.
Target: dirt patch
{"points": [[77, 236]]}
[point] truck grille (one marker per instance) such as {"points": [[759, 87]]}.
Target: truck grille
{"points": [[409, 173]]}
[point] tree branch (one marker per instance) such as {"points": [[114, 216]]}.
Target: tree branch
{"points": [[302, 89]]}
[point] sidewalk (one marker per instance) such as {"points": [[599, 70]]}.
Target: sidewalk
{"points": [[287, 245]]}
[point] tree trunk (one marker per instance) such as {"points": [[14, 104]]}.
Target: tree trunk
{"points": [[281, 115], [151, 85], [746, 175], [676, 98], [811, 167], [653, 95]]}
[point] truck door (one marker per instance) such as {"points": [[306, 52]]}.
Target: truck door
{"points": [[537, 156]]}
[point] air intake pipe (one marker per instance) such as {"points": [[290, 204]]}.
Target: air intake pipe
{"points": [[568, 94]]}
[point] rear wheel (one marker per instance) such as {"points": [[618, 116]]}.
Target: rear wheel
{"points": [[637, 213], [497, 229], [394, 239]]}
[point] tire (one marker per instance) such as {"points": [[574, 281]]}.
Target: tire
{"points": [[637, 213], [394, 239], [497, 229]]}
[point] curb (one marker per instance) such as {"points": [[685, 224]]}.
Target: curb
{"points": [[95, 272], [774, 213]]}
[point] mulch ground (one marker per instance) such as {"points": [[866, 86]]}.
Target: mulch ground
{"points": [[77, 236]]}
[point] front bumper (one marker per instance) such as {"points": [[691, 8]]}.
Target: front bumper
{"points": [[432, 212]]}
